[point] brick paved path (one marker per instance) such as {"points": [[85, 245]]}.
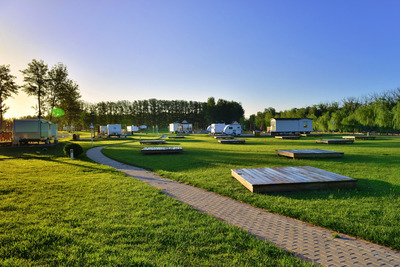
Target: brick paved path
{"points": [[308, 242]]}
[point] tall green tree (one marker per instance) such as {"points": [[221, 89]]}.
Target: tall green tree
{"points": [[36, 80], [57, 82], [7, 88], [69, 102]]}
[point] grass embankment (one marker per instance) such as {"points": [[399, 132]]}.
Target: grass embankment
{"points": [[370, 212], [58, 211]]}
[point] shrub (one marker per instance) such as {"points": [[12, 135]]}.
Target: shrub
{"points": [[77, 149]]}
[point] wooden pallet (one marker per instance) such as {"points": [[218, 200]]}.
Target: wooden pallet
{"points": [[153, 142], [176, 137], [287, 137], [232, 141], [162, 150], [334, 141], [360, 137], [279, 179], [223, 137], [309, 153]]}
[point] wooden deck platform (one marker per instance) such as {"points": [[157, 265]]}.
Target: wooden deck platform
{"points": [[279, 179], [361, 137], [153, 142], [231, 141], [334, 141], [287, 137], [162, 150], [310, 135], [309, 153], [176, 137], [223, 137]]}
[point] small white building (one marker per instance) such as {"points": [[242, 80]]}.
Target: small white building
{"points": [[114, 130], [233, 129], [217, 128], [290, 125], [180, 127]]}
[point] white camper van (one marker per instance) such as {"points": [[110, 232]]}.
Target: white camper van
{"points": [[217, 128], [288, 125], [233, 129], [114, 130]]}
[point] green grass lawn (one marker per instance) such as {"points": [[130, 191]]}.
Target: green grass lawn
{"points": [[370, 212], [57, 211]]}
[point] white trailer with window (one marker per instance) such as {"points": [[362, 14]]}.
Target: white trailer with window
{"points": [[217, 128], [233, 129], [181, 127], [33, 130], [132, 129], [281, 126], [114, 130]]}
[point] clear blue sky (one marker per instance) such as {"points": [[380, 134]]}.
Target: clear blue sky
{"points": [[279, 53]]}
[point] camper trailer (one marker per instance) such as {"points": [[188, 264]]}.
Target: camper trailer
{"points": [[103, 130], [114, 130], [217, 128], [142, 127], [183, 127], [233, 129], [33, 130], [132, 129], [290, 126]]}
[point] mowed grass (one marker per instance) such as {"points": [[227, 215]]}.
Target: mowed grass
{"points": [[57, 211], [370, 212]]}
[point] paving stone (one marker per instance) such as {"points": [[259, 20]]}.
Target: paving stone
{"points": [[309, 242]]}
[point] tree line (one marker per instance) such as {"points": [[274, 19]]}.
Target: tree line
{"points": [[54, 89], [377, 112]]}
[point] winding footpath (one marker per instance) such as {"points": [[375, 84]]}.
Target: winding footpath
{"points": [[309, 242]]}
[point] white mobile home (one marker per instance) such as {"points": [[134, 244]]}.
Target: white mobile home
{"points": [[233, 129], [114, 130], [33, 130], [217, 128], [183, 127], [289, 125]]}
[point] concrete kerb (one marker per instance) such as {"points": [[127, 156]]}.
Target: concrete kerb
{"points": [[312, 243]]}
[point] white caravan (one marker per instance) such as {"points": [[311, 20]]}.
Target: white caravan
{"points": [[217, 128], [289, 125], [233, 129]]}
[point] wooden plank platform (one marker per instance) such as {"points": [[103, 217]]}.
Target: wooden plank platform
{"points": [[223, 137], [309, 153], [334, 141], [287, 137], [361, 137], [310, 135], [162, 150], [279, 179], [176, 137], [231, 141], [153, 142]]}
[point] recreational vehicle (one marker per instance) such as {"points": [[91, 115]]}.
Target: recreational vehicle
{"points": [[114, 130], [233, 129], [182, 127], [217, 128], [33, 130], [103, 130], [132, 129], [290, 126]]}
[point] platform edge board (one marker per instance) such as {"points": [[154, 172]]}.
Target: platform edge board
{"points": [[231, 141], [161, 150], [303, 186], [242, 180], [334, 141]]}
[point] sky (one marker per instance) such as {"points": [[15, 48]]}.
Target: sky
{"points": [[262, 53]]}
